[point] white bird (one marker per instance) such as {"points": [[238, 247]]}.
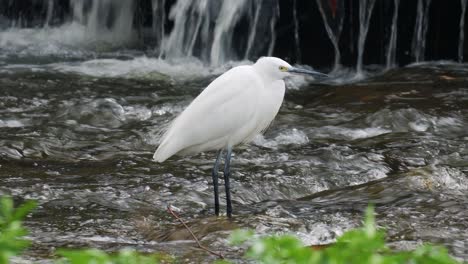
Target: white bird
{"points": [[233, 109]]}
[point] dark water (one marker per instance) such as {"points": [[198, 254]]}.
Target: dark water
{"points": [[79, 137]]}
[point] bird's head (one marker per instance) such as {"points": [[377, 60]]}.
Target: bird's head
{"points": [[278, 69]]}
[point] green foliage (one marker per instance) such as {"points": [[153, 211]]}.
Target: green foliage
{"points": [[12, 232], [12, 242], [365, 245], [95, 256]]}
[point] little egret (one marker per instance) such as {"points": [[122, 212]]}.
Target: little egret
{"points": [[233, 109]]}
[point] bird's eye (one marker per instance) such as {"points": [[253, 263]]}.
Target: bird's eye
{"points": [[283, 69]]}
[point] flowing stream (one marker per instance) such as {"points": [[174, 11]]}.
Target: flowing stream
{"points": [[78, 137]]}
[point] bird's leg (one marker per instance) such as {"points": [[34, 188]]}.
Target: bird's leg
{"points": [[214, 174], [227, 165]]}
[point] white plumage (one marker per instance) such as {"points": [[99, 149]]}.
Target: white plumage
{"points": [[233, 109]]}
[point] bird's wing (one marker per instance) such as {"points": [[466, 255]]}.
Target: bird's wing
{"points": [[224, 108]]}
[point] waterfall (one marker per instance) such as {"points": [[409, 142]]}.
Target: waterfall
{"points": [[188, 18], [420, 29], [50, 11], [462, 31], [253, 30], [223, 33], [365, 13], [218, 31], [159, 18], [333, 15], [391, 49], [296, 33], [106, 20], [195, 34], [275, 15]]}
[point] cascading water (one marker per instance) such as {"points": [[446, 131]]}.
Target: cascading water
{"points": [[365, 13], [391, 49], [461, 35], [159, 18], [188, 19], [253, 30], [296, 33], [418, 48], [333, 15], [203, 29], [263, 27], [195, 35], [223, 32], [208, 30], [275, 14], [105, 20], [50, 11]]}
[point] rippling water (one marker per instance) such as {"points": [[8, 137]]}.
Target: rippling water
{"points": [[78, 136]]}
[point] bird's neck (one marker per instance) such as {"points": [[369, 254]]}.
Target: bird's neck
{"points": [[265, 74]]}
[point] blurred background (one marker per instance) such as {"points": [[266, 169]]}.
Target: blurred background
{"points": [[385, 33]]}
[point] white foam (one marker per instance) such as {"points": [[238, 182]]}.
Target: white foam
{"points": [[291, 136], [348, 133], [11, 123], [420, 125], [139, 113], [438, 178], [44, 41], [72, 38], [432, 63], [137, 67], [410, 119]]}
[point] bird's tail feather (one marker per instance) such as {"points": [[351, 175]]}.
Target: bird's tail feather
{"points": [[159, 155], [169, 146]]}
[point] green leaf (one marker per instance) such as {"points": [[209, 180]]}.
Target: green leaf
{"points": [[124, 256], [87, 256], [365, 245], [12, 232], [24, 209]]}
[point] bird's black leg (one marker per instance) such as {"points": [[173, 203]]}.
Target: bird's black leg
{"points": [[227, 165], [214, 174]]}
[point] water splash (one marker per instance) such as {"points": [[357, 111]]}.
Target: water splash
{"points": [[99, 25], [140, 67], [365, 13], [91, 22], [420, 29], [461, 35], [333, 22], [391, 50]]}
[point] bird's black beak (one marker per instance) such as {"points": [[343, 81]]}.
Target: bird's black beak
{"points": [[308, 72]]}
